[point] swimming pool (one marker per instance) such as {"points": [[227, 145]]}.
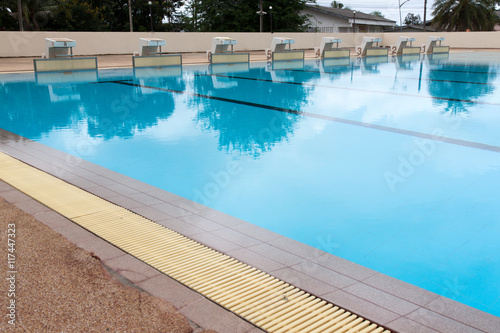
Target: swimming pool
{"points": [[392, 165]]}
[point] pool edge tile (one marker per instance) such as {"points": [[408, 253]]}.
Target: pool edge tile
{"points": [[464, 313]]}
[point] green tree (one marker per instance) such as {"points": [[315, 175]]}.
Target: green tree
{"points": [[241, 15], [339, 5], [460, 15], [336, 4], [35, 13], [91, 15], [76, 15], [167, 10], [115, 14], [191, 18], [8, 21], [377, 13], [412, 19]]}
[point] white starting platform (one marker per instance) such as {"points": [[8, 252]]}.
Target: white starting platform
{"points": [[58, 47], [281, 49], [329, 48], [404, 46], [150, 54], [369, 48], [222, 45], [433, 45], [59, 57], [150, 46], [222, 52]]}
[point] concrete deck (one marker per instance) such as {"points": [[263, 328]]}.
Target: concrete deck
{"points": [[397, 305], [9, 65]]}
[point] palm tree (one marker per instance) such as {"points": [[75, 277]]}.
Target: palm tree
{"points": [[460, 15]]}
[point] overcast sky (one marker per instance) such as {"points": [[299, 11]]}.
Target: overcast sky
{"points": [[388, 8]]}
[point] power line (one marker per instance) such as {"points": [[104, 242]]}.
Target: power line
{"points": [[390, 4], [388, 8]]}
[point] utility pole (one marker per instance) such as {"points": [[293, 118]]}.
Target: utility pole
{"points": [[130, 15], [20, 15], [261, 13], [425, 12]]}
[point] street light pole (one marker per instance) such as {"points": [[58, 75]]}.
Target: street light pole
{"points": [[151, 14], [271, 17], [354, 22], [400, 20], [261, 17]]}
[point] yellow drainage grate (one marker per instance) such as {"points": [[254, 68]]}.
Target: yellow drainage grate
{"points": [[267, 302]]}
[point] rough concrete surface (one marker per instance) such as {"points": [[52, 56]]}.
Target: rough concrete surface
{"points": [[59, 287]]}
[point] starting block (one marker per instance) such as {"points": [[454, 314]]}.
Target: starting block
{"points": [[402, 47], [222, 52], [279, 51], [150, 54], [367, 48], [59, 57], [150, 46], [433, 45], [327, 50], [58, 47]]}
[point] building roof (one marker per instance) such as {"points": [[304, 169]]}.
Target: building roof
{"points": [[349, 13], [410, 27]]}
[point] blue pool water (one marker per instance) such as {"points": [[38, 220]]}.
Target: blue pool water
{"points": [[392, 165]]}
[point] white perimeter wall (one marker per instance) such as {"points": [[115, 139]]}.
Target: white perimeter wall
{"points": [[31, 44]]}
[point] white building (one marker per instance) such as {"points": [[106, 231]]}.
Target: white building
{"points": [[333, 20]]}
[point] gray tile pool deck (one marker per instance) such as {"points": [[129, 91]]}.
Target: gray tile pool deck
{"points": [[395, 304]]}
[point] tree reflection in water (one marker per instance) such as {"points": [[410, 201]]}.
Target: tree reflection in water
{"points": [[459, 84], [124, 111], [102, 110], [246, 130]]}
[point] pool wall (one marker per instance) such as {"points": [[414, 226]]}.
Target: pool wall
{"points": [[31, 44]]}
